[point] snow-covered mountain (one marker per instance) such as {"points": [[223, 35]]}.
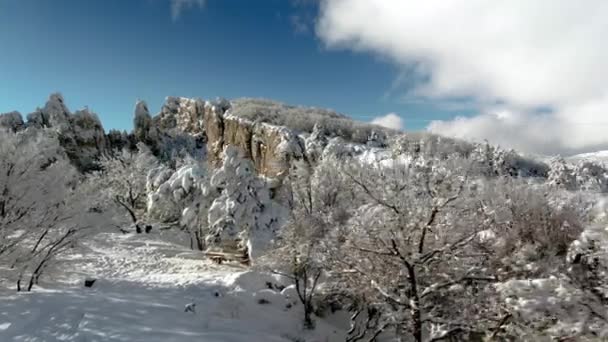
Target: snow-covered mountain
{"points": [[598, 156]]}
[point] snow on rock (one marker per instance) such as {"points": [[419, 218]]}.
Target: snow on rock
{"points": [[271, 148], [182, 113], [81, 134], [339, 148], [12, 121], [54, 114], [315, 143]]}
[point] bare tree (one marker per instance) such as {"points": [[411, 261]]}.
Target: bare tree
{"points": [[42, 212], [302, 249], [299, 260]]}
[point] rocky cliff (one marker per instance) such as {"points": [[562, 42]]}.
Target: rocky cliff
{"points": [[271, 148], [81, 133], [198, 127]]}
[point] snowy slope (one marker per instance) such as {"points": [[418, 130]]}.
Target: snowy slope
{"points": [[599, 156], [144, 284]]}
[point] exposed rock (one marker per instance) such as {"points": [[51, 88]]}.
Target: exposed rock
{"points": [[54, 114], [273, 148], [214, 131], [142, 124], [269, 147], [182, 113], [238, 132]]}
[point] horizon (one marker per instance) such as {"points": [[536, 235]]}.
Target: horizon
{"points": [[518, 78]]}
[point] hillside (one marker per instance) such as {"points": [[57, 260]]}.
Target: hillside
{"points": [[286, 223]]}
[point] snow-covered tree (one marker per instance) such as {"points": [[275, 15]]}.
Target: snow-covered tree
{"points": [[301, 252], [409, 251], [42, 210], [591, 176], [122, 181], [244, 210], [561, 174], [182, 197], [30, 168]]}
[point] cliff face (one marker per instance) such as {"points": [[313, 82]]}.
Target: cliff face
{"points": [[271, 148], [194, 124]]}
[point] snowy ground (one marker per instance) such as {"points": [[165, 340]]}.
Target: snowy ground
{"points": [[143, 286]]}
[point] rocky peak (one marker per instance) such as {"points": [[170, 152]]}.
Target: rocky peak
{"points": [[53, 114], [81, 134], [12, 121], [142, 122]]}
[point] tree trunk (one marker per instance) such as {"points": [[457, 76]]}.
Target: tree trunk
{"points": [[200, 243], [308, 322], [33, 278], [415, 306]]}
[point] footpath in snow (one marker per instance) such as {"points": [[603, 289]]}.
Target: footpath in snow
{"points": [[143, 286]]}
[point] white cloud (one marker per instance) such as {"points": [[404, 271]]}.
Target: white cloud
{"points": [[177, 6], [390, 120], [523, 54]]}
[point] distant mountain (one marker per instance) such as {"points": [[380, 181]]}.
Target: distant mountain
{"points": [[599, 156]]}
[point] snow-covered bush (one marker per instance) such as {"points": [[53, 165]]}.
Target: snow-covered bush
{"points": [[561, 174], [494, 161], [566, 304], [591, 176]]}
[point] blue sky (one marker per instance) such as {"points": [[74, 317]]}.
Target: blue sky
{"points": [[107, 54]]}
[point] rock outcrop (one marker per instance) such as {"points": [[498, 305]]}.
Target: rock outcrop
{"points": [[81, 134], [183, 114], [84, 138], [270, 148]]}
